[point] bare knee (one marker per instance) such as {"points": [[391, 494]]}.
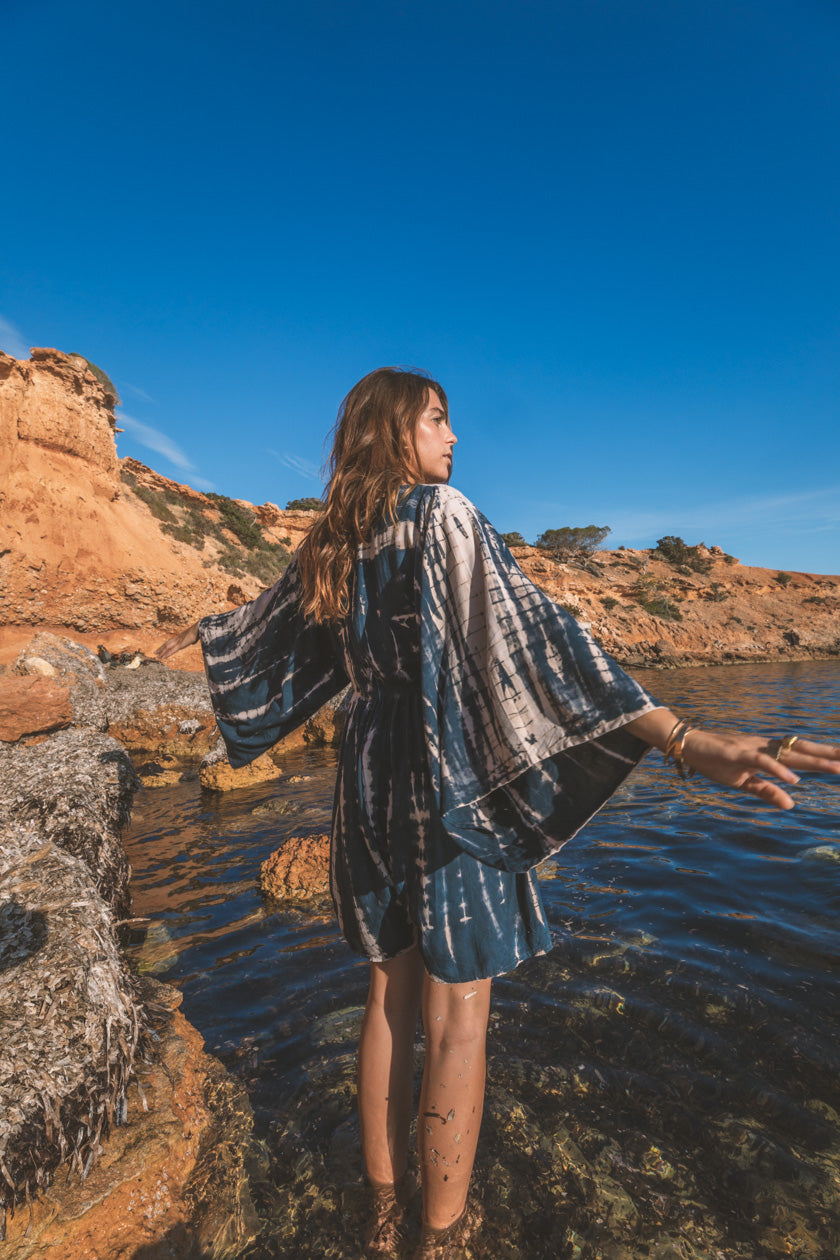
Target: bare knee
{"points": [[455, 1017]]}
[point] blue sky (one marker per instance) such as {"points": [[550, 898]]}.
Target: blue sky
{"points": [[609, 227]]}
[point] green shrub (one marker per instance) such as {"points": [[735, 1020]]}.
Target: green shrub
{"points": [[156, 502], [514, 539], [306, 505], [189, 523], [681, 556], [573, 540], [240, 522], [609, 601], [729, 559], [783, 578], [718, 593], [661, 606], [186, 533]]}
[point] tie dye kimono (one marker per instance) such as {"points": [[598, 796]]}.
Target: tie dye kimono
{"points": [[484, 727]]}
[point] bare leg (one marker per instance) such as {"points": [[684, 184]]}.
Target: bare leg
{"points": [[451, 1104], [385, 1065]]}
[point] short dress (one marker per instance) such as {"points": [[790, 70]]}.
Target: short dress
{"points": [[484, 727]]}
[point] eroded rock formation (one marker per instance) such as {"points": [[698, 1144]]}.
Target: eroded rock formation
{"points": [[299, 869]]}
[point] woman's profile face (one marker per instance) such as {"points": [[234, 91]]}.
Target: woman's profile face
{"points": [[433, 441]]}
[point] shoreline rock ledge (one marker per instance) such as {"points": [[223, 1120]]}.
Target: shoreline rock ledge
{"points": [[119, 1135]]}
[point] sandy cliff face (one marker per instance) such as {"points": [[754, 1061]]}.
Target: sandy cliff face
{"points": [[111, 552], [83, 548]]}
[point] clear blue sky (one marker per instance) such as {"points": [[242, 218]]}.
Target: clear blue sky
{"points": [[609, 227]]}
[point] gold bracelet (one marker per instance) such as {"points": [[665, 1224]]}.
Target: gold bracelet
{"points": [[672, 738], [677, 753], [674, 747]]}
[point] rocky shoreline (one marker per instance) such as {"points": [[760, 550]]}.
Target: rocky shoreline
{"points": [[117, 1131]]}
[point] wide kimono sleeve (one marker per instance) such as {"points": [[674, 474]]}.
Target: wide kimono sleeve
{"points": [[268, 668], [524, 714]]}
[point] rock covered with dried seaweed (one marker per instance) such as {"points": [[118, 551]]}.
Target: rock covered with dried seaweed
{"points": [[76, 788], [82, 1045], [69, 1021]]}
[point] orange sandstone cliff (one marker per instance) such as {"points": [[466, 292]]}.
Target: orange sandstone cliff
{"points": [[109, 551]]}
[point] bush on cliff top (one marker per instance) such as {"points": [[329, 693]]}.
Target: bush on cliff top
{"points": [[681, 556], [306, 505], [573, 540]]}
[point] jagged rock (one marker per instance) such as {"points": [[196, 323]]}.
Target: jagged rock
{"points": [[31, 706], [77, 788], [220, 776], [325, 728], [76, 667], [300, 869]]}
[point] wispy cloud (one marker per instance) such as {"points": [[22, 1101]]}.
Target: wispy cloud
{"points": [[138, 392], [303, 467], [146, 435], [12, 341]]}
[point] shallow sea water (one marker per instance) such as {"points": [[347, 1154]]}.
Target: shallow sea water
{"points": [[665, 1084]]}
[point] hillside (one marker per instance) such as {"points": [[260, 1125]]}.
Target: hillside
{"points": [[109, 551]]}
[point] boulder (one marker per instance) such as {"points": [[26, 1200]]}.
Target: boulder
{"points": [[220, 776], [300, 869], [30, 706], [76, 667]]}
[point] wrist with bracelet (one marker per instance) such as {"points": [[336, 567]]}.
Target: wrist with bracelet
{"points": [[675, 746]]}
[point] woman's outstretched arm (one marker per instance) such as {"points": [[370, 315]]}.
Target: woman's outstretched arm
{"points": [[739, 761], [178, 641]]}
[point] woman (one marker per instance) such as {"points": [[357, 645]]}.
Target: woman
{"points": [[484, 728]]}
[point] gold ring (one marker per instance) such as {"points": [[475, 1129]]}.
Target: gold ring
{"points": [[785, 745]]}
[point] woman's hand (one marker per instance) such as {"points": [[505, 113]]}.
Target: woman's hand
{"points": [[742, 761], [177, 643]]}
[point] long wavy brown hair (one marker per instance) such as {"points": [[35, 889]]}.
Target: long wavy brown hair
{"points": [[373, 454]]}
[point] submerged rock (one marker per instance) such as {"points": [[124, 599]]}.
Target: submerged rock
{"points": [[279, 807], [300, 869], [822, 853]]}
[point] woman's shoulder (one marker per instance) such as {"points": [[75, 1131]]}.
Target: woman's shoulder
{"points": [[441, 498]]}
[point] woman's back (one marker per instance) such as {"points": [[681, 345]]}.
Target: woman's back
{"points": [[381, 636]]}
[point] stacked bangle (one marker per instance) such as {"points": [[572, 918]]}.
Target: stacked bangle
{"points": [[674, 747]]}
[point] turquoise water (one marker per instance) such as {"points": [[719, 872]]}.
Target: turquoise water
{"points": [[664, 1084]]}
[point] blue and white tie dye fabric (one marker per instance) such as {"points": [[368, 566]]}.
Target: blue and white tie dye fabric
{"points": [[485, 727]]}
